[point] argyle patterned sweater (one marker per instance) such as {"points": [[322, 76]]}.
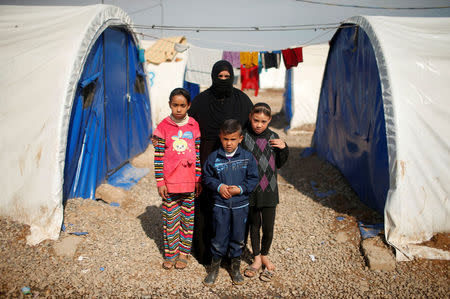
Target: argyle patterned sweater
{"points": [[269, 159]]}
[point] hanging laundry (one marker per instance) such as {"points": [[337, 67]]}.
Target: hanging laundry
{"points": [[292, 57], [250, 78], [271, 59], [249, 59], [164, 49], [232, 57], [199, 64]]}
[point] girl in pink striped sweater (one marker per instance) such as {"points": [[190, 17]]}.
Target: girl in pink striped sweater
{"points": [[177, 172]]}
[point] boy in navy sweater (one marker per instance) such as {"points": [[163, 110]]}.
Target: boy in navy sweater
{"points": [[230, 174]]}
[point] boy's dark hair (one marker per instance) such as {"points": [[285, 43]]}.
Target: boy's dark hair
{"points": [[231, 126], [262, 108], [180, 91]]}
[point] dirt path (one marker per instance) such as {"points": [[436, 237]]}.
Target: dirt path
{"points": [[316, 246]]}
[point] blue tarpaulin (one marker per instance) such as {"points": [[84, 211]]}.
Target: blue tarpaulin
{"points": [[288, 97], [127, 176], [110, 121], [350, 127]]}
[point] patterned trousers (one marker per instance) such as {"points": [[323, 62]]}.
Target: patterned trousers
{"points": [[178, 224]]}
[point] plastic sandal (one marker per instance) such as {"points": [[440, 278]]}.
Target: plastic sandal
{"points": [[167, 264], [266, 275], [250, 271], [181, 263]]}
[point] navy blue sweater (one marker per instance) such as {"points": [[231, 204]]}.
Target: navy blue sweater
{"points": [[240, 170]]}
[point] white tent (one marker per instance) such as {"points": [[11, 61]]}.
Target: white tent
{"points": [[44, 53], [303, 86], [273, 77], [163, 78], [384, 121]]}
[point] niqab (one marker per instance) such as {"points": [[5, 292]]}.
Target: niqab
{"points": [[222, 88]]}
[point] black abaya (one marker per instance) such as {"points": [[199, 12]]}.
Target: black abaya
{"points": [[210, 109]]}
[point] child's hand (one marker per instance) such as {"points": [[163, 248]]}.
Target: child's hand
{"points": [[277, 143], [223, 191], [198, 189], [162, 190], [154, 141], [234, 190]]}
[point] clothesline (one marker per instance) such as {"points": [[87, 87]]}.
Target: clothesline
{"points": [[249, 64]]}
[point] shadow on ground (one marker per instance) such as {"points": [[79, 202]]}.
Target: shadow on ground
{"points": [[315, 178], [303, 173], [151, 222]]}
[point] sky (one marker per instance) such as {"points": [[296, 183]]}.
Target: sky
{"points": [[253, 25]]}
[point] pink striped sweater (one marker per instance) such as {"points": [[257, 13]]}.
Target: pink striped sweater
{"points": [[177, 155]]}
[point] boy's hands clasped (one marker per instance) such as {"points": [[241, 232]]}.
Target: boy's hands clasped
{"points": [[229, 191]]}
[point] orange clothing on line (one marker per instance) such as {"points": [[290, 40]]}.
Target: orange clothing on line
{"points": [[249, 59]]}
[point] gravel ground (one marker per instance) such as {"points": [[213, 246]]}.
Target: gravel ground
{"points": [[121, 254]]}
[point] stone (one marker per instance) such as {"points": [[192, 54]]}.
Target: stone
{"points": [[378, 256], [341, 237], [110, 194], [67, 246]]}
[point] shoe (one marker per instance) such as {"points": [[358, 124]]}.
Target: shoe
{"points": [[211, 278], [266, 275], [236, 275], [251, 272]]}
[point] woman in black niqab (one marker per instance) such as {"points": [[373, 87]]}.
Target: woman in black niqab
{"points": [[210, 109]]}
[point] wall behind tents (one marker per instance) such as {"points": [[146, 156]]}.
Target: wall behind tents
{"points": [[383, 120], [71, 111]]}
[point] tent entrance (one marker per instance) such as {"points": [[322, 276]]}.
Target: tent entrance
{"points": [[350, 129], [110, 121]]}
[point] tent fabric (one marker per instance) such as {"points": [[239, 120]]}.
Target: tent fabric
{"points": [[43, 52], [302, 92], [273, 78], [383, 119]]}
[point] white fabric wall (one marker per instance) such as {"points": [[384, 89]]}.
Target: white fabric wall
{"points": [[413, 55], [273, 77], [42, 55], [306, 84]]}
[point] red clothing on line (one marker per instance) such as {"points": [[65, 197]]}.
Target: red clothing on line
{"points": [[292, 57], [250, 78]]}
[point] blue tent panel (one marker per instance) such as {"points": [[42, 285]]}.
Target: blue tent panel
{"points": [[193, 88], [110, 121], [288, 97], [139, 113], [116, 101], [350, 127]]}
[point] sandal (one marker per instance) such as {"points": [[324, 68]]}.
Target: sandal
{"points": [[167, 264], [181, 263], [250, 271], [266, 275]]}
